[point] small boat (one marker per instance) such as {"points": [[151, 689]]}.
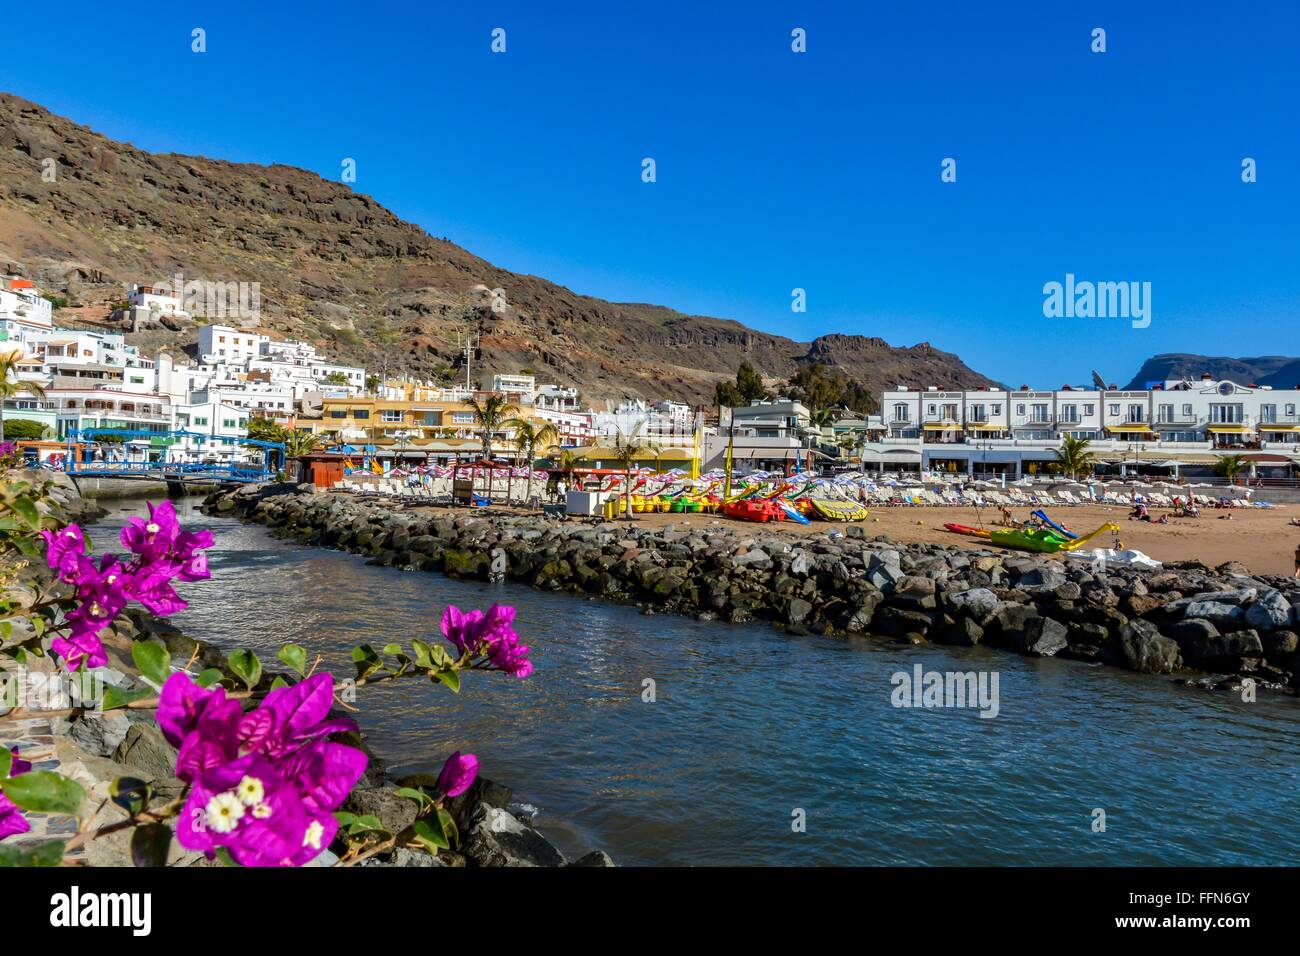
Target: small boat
{"points": [[792, 512], [753, 511]]}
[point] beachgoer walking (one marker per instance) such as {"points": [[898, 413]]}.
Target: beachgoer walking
{"points": [[560, 490]]}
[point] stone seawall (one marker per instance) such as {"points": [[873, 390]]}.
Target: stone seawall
{"points": [[1215, 627]]}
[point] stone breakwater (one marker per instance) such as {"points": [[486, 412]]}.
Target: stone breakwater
{"points": [[96, 748], [1215, 627]]}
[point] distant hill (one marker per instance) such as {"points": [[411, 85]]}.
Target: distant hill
{"points": [[339, 270], [1279, 371]]}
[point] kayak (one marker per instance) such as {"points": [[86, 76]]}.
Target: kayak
{"points": [[792, 512], [1043, 540], [967, 530]]}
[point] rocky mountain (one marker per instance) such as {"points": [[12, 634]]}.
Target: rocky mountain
{"points": [[1279, 371], [88, 217]]}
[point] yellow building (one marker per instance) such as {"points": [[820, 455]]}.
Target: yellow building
{"points": [[423, 423]]}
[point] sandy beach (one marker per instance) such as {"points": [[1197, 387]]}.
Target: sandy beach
{"points": [[1259, 538]]}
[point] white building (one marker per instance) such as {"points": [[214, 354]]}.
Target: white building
{"points": [[222, 343], [24, 315], [147, 301], [1175, 427], [520, 388]]}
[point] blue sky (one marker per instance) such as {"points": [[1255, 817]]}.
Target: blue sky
{"points": [[775, 170]]}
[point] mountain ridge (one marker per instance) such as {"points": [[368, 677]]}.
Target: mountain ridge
{"points": [[339, 270], [1277, 371]]}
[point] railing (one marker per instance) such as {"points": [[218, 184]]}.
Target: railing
{"points": [[232, 471]]}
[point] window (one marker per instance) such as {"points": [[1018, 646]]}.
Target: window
{"points": [[997, 409], [977, 413], [900, 412], [1187, 410], [462, 418], [1165, 413], [1290, 409], [360, 413], [1268, 413], [1136, 413], [1040, 413], [1089, 408], [1113, 410], [200, 421], [338, 413], [227, 423], [1226, 414], [1020, 409], [391, 415], [931, 410], [1070, 413]]}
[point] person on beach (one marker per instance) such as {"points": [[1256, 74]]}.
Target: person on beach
{"points": [[560, 490]]}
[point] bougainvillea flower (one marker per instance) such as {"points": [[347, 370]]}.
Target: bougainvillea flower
{"points": [[457, 774], [64, 549], [152, 538], [265, 783], [12, 821], [291, 716], [462, 628], [249, 808]]}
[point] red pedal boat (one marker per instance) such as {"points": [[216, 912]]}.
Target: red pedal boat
{"points": [[754, 510]]}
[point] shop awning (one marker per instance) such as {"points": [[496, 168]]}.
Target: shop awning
{"points": [[1128, 428], [986, 428], [1230, 429], [1274, 427], [941, 426]]}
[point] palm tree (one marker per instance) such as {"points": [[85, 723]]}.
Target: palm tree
{"points": [[11, 384], [627, 450], [528, 437], [1074, 458], [848, 441], [298, 443], [1229, 466], [491, 415]]}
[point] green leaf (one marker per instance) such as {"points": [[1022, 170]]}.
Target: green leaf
{"points": [[26, 509], [209, 677], [392, 649], [150, 844], [367, 661], [115, 697], [429, 832], [245, 665], [449, 677], [423, 654], [294, 656], [419, 796], [130, 793], [6, 762], [278, 682], [152, 660], [449, 827], [224, 856], [43, 791]]}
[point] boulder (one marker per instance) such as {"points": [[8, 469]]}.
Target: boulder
{"points": [[1269, 612], [1043, 637], [496, 838], [1146, 650], [1218, 613], [978, 603]]}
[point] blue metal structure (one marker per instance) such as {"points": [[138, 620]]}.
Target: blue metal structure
{"points": [[79, 441]]}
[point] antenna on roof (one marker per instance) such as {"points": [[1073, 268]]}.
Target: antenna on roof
{"points": [[1098, 380]]}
